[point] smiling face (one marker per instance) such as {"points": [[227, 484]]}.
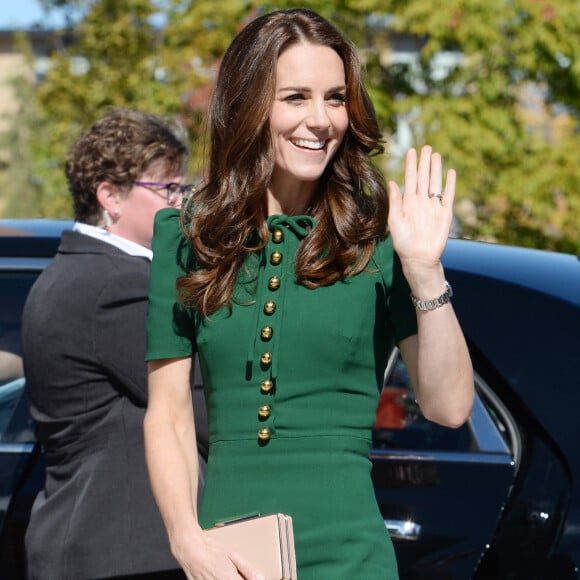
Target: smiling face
{"points": [[308, 118]]}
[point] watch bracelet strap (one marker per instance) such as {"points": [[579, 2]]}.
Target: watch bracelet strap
{"points": [[434, 303]]}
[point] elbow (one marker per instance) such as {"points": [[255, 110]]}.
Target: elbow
{"points": [[451, 412], [452, 418]]}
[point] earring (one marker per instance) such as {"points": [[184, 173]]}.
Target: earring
{"points": [[107, 221], [116, 213]]}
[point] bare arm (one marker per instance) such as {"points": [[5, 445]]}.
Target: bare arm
{"points": [[170, 448], [170, 443], [437, 358], [440, 369], [10, 366]]}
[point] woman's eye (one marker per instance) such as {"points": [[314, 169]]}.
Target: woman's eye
{"points": [[295, 97], [338, 98]]}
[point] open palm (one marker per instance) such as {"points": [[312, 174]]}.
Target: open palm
{"points": [[419, 218]]}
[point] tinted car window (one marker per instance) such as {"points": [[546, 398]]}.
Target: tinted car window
{"points": [[400, 423], [14, 287]]}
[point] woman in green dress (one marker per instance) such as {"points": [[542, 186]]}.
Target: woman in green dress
{"points": [[291, 274]]}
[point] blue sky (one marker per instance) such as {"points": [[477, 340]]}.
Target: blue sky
{"points": [[16, 14], [24, 14]]}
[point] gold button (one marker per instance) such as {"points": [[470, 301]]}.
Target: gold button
{"points": [[275, 257], [264, 411], [270, 307], [266, 358], [264, 434], [266, 386], [277, 235], [267, 332], [274, 283]]}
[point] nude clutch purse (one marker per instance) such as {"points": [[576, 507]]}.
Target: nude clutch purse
{"points": [[267, 542]]}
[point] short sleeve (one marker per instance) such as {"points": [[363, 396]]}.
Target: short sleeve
{"points": [[170, 330], [401, 310]]}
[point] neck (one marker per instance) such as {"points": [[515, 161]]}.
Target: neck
{"points": [[290, 201]]}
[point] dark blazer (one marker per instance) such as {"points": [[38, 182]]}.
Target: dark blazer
{"points": [[84, 343]]}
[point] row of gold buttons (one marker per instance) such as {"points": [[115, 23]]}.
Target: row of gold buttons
{"points": [[266, 335]]}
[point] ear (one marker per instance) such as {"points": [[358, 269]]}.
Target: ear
{"points": [[108, 199]]}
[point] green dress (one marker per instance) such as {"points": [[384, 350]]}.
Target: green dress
{"points": [[292, 378]]}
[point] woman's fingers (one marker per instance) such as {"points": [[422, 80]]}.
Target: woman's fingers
{"points": [[424, 176], [424, 171], [247, 571], [410, 172], [449, 194], [423, 182], [435, 178]]}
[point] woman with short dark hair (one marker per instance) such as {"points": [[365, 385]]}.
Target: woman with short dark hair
{"points": [[84, 342]]}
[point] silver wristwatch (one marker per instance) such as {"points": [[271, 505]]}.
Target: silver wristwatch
{"points": [[434, 303]]}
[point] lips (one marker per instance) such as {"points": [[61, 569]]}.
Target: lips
{"points": [[307, 144]]}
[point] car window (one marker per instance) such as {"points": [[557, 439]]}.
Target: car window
{"points": [[401, 425], [14, 287]]}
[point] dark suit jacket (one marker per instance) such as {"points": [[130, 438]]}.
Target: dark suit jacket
{"points": [[84, 343]]}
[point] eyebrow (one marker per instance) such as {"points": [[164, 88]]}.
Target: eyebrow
{"points": [[308, 89]]}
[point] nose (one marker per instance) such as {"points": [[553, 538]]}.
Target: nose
{"points": [[318, 115]]}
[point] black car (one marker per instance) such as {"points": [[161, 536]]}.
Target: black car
{"points": [[26, 247], [498, 498]]}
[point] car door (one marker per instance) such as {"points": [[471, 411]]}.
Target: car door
{"points": [[441, 491], [21, 474]]}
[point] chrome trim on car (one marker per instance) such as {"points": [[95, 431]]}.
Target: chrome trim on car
{"points": [[504, 422], [403, 529], [446, 456], [22, 263], [16, 447], [484, 430]]}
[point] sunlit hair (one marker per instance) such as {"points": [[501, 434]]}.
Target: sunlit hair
{"points": [[119, 148], [228, 219]]}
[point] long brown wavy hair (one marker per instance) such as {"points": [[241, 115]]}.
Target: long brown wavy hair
{"points": [[228, 219]]}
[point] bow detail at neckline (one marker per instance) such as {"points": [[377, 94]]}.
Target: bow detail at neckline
{"points": [[301, 225]]}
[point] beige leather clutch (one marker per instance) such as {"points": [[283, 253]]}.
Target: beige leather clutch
{"points": [[267, 542]]}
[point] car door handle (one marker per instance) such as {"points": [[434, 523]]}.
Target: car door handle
{"points": [[403, 529]]}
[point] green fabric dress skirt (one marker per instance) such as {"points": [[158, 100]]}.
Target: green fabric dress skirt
{"points": [[292, 378]]}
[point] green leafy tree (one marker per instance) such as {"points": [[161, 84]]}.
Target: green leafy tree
{"points": [[108, 60], [19, 188], [493, 85], [520, 179]]}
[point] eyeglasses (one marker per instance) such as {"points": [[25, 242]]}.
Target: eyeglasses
{"points": [[172, 192]]}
